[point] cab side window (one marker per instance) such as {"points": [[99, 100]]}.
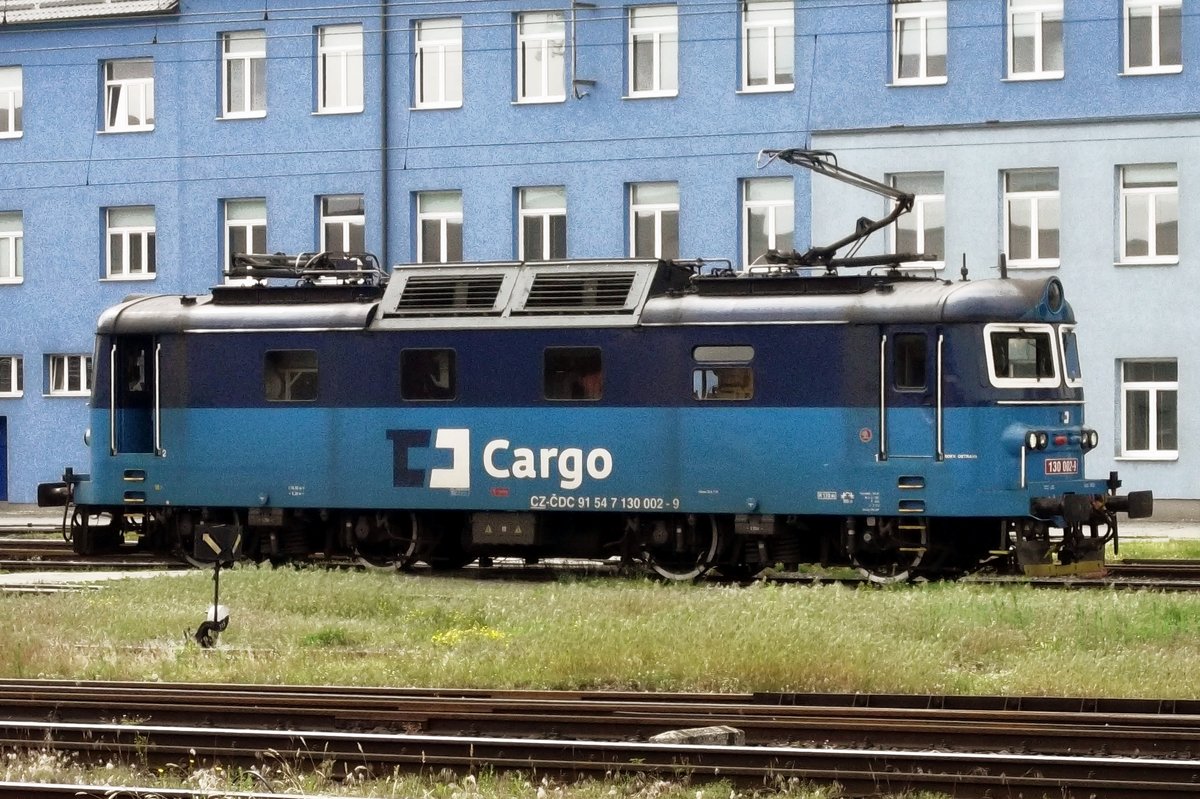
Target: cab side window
{"points": [[572, 373], [723, 372], [428, 374], [290, 375], [908, 369]]}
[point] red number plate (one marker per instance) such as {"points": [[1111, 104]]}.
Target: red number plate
{"points": [[1062, 466]]}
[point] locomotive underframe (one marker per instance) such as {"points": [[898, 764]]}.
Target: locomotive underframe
{"points": [[675, 546]]}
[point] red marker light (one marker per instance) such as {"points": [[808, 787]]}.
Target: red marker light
{"points": [[1060, 440]]}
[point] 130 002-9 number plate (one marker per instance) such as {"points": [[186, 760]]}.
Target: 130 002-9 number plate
{"points": [[1062, 466]]}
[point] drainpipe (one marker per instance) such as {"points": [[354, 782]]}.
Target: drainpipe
{"points": [[385, 70]]}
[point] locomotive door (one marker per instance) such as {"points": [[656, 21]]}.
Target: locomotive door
{"points": [[910, 396], [134, 391]]}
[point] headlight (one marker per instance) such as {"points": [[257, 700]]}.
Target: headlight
{"points": [[1036, 439], [1089, 439]]}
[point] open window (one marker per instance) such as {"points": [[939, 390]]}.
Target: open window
{"points": [[290, 376], [1022, 356], [723, 372]]}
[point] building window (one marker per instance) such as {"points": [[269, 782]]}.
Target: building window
{"points": [[541, 61], [339, 69], [1149, 400], [12, 376], [11, 102], [290, 376], [918, 41], [1153, 36], [70, 375], [768, 217], [1031, 211], [654, 220], [437, 68], [768, 51], [439, 224], [653, 51], [244, 74], [12, 248], [1150, 213], [922, 231], [343, 224], [131, 242], [129, 95], [1035, 39], [542, 216], [245, 228]]}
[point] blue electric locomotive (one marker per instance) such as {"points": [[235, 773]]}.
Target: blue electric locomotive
{"points": [[630, 408]]}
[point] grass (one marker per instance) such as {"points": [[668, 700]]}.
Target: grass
{"points": [[368, 628]]}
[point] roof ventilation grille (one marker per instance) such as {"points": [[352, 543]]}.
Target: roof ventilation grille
{"points": [[449, 294], [573, 292]]}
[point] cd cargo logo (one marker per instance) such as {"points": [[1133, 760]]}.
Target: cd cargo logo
{"points": [[501, 460]]}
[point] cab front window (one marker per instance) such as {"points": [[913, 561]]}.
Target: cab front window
{"points": [[1022, 356]]}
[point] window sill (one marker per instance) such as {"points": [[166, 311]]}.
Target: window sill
{"points": [[11, 281], [335, 112], [6, 395], [1137, 72], [650, 96], [1156, 457], [778, 88], [107, 131], [1150, 262], [236, 117], [1047, 264], [540, 101], [12, 135], [909, 83], [436, 107], [68, 394], [1028, 77], [126, 278]]}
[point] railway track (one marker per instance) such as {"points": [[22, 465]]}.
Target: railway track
{"points": [[963, 746]]}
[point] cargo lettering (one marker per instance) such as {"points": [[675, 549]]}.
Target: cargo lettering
{"points": [[502, 461]]}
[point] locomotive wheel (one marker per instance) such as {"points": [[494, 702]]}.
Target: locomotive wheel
{"points": [[386, 541], [682, 549], [893, 552]]}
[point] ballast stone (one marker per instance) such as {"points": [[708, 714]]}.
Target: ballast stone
{"points": [[720, 735]]}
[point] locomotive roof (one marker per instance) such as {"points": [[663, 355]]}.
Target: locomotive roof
{"points": [[619, 293]]}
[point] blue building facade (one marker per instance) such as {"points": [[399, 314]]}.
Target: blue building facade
{"points": [[141, 141]]}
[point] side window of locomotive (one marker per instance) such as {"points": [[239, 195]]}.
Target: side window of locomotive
{"points": [[908, 369], [428, 375], [723, 372], [1072, 370], [1022, 356], [290, 375], [572, 373]]}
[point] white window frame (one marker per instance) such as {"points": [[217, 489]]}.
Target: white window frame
{"points": [[12, 247], [59, 382], [780, 25], [1155, 7], [443, 219], [12, 102], [920, 13], [547, 213], [777, 212], [236, 219], [654, 211], [656, 27], [253, 63], [121, 93], [438, 50], [12, 371], [923, 206], [1153, 195], [1034, 201], [1154, 388], [1036, 13], [347, 96], [548, 48], [142, 235], [348, 222]]}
